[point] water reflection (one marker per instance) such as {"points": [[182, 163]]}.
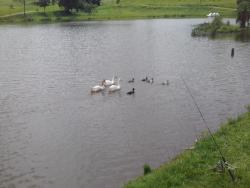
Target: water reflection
{"points": [[242, 36]]}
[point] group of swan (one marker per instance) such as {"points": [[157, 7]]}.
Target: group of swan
{"points": [[113, 85], [213, 14]]}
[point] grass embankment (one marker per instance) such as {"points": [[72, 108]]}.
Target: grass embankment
{"points": [[194, 168], [126, 9]]}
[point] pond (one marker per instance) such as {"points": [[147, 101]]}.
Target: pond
{"points": [[54, 133]]}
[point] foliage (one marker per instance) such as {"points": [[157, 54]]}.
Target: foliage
{"points": [[147, 169], [243, 12], [228, 29], [248, 108], [85, 5], [44, 4], [216, 24], [94, 2], [216, 27], [195, 168], [69, 4]]}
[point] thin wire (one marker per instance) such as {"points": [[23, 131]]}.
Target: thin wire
{"points": [[210, 132]]}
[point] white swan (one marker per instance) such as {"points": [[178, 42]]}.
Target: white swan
{"points": [[109, 82], [213, 14], [98, 88], [115, 87], [210, 14]]}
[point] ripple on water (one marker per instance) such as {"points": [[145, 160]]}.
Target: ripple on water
{"points": [[54, 133]]}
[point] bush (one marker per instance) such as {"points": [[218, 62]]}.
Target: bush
{"points": [[248, 108], [231, 121], [228, 29], [216, 24], [87, 7], [147, 169], [213, 28]]}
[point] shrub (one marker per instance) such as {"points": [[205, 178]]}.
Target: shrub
{"points": [[248, 108], [211, 29], [147, 169]]}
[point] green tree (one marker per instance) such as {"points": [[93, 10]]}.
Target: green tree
{"points": [[68, 4], [44, 4], [85, 5], [243, 10], [94, 2]]}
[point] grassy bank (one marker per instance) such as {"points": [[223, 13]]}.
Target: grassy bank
{"points": [[11, 10], [195, 168]]}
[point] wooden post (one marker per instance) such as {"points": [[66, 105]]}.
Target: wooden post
{"points": [[232, 52]]}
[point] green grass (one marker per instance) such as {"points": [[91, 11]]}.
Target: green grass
{"points": [[127, 9], [193, 168], [229, 29]]}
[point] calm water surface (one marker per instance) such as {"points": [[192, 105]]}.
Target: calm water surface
{"points": [[54, 134]]}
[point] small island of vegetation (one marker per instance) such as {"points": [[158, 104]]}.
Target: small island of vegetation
{"points": [[215, 27], [218, 27]]}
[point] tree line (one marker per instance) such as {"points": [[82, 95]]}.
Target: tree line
{"points": [[243, 12], [243, 7], [69, 5]]}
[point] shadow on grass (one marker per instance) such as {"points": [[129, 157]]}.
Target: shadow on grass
{"points": [[61, 13]]}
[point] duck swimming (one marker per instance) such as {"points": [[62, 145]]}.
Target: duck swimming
{"points": [[145, 79], [131, 81], [165, 83], [131, 92], [150, 80]]}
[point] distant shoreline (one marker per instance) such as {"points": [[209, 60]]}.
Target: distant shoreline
{"points": [[109, 10], [18, 19]]}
